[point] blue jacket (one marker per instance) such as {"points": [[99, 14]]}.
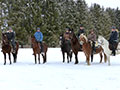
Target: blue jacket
{"points": [[38, 36], [113, 36]]}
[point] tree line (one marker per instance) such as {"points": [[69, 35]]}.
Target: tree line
{"points": [[53, 16]]}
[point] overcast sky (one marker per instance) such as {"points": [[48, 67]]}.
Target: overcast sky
{"points": [[105, 3]]}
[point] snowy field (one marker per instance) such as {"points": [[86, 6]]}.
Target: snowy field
{"points": [[54, 75]]}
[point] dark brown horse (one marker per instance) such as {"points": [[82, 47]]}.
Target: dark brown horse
{"points": [[65, 48], [6, 48], [76, 47], [37, 50], [87, 49]]}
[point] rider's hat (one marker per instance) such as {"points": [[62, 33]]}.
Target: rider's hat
{"points": [[38, 28], [113, 27], [10, 28]]}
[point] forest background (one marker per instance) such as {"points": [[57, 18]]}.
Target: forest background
{"points": [[53, 16]]}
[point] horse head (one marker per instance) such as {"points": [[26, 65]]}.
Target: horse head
{"points": [[33, 40], [61, 39], [4, 39], [73, 37], [83, 39]]}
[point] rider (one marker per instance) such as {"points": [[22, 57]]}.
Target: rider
{"points": [[39, 38], [66, 35], [11, 38], [113, 40], [81, 30], [92, 38]]}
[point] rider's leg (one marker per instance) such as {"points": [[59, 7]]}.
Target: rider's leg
{"points": [[13, 45], [41, 45]]}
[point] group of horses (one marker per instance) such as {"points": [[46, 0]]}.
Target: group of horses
{"points": [[103, 48], [80, 44], [76, 45]]}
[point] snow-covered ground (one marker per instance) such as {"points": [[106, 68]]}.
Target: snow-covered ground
{"points": [[54, 75]]}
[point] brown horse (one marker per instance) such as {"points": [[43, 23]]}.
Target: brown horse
{"points": [[76, 47], [6, 48], [87, 49], [37, 50]]}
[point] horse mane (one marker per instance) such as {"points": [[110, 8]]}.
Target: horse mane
{"points": [[102, 38], [83, 36]]}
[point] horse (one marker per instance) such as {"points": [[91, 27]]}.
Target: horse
{"points": [[6, 48], [65, 48], [105, 45], [76, 47], [87, 49], [36, 50]]}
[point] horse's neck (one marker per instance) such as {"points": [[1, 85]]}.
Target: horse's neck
{"points": [[75, 40], [106, 46]]}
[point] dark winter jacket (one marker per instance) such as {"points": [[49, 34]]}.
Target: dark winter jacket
{"points": [[10, 35], [81, 31], [92, 37], [113, 37]]}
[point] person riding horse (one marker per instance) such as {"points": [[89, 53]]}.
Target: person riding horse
{"points": [[39, 38], [113, 40], [11, 38], [81, 31], [92, 38]]}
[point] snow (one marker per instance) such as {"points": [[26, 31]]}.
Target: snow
{"points": [[55, 75]]}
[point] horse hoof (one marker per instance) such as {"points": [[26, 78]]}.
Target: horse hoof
{"points": [[76, 62]]}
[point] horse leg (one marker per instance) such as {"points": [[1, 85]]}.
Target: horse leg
{"points": [[39, 58], [35, 58], [10, 58], [91, 57], [68, 55], [108, 58], [76, 58], [101, 56], [14, 56], [88, 60], [63, 53], [105, 58], [4, 58], [44, 57]]}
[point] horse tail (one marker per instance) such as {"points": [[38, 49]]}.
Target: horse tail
{"points": [[105, 58]]}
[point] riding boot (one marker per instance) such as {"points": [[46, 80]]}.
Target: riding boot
{"points": [[41, 45], [93, 47], [13, 46]]}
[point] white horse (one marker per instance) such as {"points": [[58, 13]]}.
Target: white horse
{"points": [[105, 45]]}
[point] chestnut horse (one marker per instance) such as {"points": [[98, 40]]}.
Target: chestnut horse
{"points": [[76, 47], [87, 49], [37, 50], [6, 48]]}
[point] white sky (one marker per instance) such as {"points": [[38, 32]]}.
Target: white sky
{"points": [[105, 3]]}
